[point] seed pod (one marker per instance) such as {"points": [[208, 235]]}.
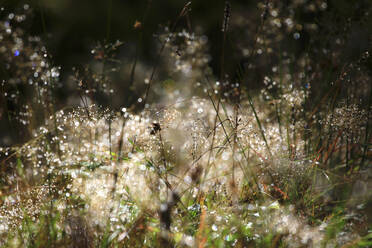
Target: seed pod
{"points": [[226, 17]]}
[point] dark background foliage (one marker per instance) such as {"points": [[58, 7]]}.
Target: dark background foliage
{"points": [[70, 28]]}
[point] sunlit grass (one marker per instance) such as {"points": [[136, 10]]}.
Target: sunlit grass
{"points": [[196, 161]]}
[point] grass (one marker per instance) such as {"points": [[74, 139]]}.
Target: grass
{"points": [[211, 163]]}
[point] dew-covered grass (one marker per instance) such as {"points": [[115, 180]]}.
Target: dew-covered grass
{"points": [[197, 160]]}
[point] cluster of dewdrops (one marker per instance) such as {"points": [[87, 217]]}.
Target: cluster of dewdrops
{"points": [[20, 204], [96, 78], [83, 144], [186, 59], [285, 93], [79, 142], [279, 23], [188, 51], [28, 68], [349, 120]]}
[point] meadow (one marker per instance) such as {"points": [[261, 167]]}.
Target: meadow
{"points": [[258, 135]]}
